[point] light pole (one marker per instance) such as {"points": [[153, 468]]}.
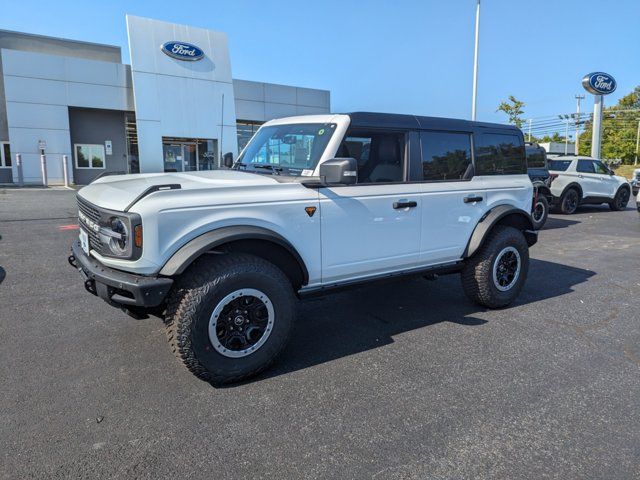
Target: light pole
{"points": [[565, 119], [475, 63], [635, 162], [529, 130]]}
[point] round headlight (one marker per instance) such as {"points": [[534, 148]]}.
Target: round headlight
{"points": [[118, 226]]}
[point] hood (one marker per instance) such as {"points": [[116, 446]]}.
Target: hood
{"points": [[117, 192]]}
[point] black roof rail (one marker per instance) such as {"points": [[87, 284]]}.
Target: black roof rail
{"points": [[107, 174], [152, 189]]}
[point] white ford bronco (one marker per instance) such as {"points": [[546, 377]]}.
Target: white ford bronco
{"points": [[312, 204], [584, 180]]}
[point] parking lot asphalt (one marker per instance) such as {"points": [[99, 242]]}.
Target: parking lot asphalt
{"points": [[390, 381]]}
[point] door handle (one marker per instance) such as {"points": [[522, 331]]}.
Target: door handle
{"points": [[399, 205], [472, 199]]}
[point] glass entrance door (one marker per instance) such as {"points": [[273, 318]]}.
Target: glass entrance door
{"points": [[189, 155], [172, 154]]}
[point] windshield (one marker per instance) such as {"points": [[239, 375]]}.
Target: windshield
{"points": [[559, 165], [292, 149]]}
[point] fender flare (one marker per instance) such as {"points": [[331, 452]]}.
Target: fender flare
{"points": [[186, 254], [506, 214], [574, 185]]}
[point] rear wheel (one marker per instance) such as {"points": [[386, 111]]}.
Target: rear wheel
{"points": [[229, 316], [495, 274], [540, 212], [569, 201], [621, 199]]}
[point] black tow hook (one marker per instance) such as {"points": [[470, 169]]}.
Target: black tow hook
{"points": [[72, 261], [90, 286]]}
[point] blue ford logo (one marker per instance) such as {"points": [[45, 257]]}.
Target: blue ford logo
{"points": [[599, 83], [182, 51]]}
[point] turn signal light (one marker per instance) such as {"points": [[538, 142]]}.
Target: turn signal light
{"points": [[137, 236]]}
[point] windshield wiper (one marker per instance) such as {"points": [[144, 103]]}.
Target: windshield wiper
{"points": [[275, 170]]}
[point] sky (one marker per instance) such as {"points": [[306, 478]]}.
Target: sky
{"points": [[402, 56]]}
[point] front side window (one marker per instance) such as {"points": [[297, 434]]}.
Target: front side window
{"points": [[89, 156], [500, 154], [585, 166], [291, 149], [600, 168], [446, 156], [380, 155]]}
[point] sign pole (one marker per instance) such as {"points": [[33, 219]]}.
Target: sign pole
{"points": [[577, 143], [596, 137]]}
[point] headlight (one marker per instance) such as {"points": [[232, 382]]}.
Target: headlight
{"points": [[117, 239]]}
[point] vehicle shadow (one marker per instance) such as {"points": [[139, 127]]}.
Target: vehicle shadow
{"points": [[369, 317], [556, 222], [3, 274]]}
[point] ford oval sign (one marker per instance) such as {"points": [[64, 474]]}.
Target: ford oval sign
{"points": [[182, 51], [599, 83]]}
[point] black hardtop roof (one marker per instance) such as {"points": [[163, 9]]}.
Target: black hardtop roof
{"points": [[396, 120]]}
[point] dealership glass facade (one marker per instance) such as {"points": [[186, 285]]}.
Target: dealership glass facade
{"points": [[246, 129]]}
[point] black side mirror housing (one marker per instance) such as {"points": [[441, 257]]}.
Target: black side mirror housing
{"points": [[227, 160], [339, 171]]}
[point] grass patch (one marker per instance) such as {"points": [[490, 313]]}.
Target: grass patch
{"points": [[626, 170]]}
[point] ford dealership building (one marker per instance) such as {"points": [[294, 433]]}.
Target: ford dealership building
{"points": [[175, 108]]}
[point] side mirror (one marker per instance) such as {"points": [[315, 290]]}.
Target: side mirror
{"points": [[339, 171], [227, 160]]}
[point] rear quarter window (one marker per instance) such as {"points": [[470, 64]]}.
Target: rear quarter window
{"points": [[500, 154], [559, 165]]}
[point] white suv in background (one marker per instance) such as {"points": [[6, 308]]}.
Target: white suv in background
{"points": [[585, 180], [313, 204]]}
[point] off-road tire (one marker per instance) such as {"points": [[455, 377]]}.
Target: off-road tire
{"points": [[544, 205], [193, 299], [621, 199], [477, 274], [569, 201]]}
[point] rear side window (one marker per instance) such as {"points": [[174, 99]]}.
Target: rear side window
{"points": [[536, 157], [559, 165], [585, 166], [446, 156], [500, 154]]}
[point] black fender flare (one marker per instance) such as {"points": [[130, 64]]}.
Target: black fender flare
{"points": [[624, 185], [576, 186], [501, 214], [185, 256]]}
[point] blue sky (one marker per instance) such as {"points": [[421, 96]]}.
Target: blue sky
{"points": [[393, 56]]}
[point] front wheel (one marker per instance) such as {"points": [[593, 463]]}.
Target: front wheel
{"points": [[540, 212], [229, 316], [495, 274], [621, 200]]}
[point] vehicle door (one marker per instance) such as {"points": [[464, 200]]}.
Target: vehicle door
{"points": [[373, 226], [588, 179], [608, 183], [453, 199]]}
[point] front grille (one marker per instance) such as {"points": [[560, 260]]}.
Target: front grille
{"points": [[94, 214]]}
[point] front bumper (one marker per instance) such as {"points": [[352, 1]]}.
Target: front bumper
{"points": [[116, 287]]}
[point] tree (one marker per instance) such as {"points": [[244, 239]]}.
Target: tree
{"points": [[619, 129], [513, 109]]}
